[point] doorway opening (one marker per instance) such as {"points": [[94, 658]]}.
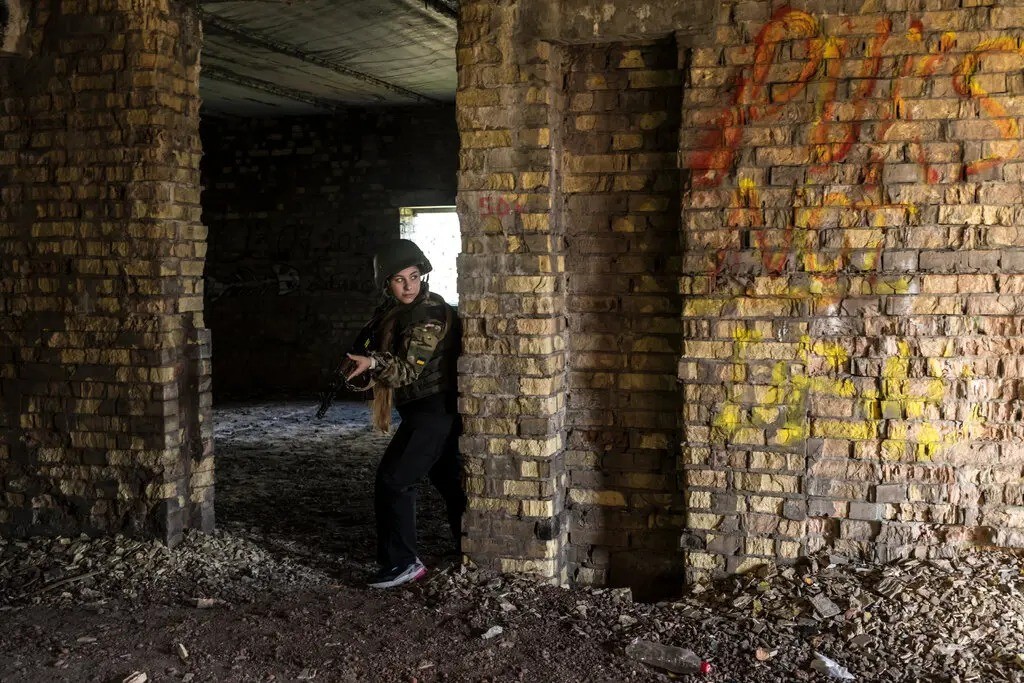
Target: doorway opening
{"points": [[435, 229]]}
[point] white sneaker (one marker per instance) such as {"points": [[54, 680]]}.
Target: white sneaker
{"points": [[396, 576]]}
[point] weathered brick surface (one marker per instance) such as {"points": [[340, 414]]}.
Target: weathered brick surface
{"points": [[850, 241], [512, 298], [620, 190], [104, 360], [296, 208], [850, 262]]}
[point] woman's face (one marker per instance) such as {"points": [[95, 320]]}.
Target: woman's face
{"points": [[405, 284]]}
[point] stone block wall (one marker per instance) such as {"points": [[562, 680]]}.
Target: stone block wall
{"points": [[296, 208], [104, 359], [848, 307]]}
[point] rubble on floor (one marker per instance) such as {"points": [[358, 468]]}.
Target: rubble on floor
{"points": [[83, 569], [952, 620]]}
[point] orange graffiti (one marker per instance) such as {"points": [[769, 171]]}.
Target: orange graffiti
{"points": [[835, 130], [829, 150], [967, 85], [831, 140], [923, 67], [752, 102]]}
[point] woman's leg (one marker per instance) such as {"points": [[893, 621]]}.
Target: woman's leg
{"points": [[446, 476], [411, 454]]}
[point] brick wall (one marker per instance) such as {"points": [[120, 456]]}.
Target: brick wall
{"points": [[511, 297], [296, 208], [848, 311], [854, 263], [620, 198], [104, 381]]}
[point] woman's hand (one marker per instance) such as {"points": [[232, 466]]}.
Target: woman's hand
{"points": [[362, 364]]}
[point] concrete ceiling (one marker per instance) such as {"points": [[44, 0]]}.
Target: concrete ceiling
{"points": [[288, 57]]}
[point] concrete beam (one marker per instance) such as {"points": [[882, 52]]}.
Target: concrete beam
{"points": [[447, 8], [254, 39], [219, 74]]}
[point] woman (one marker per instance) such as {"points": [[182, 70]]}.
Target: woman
{"points": [[411, 365]]}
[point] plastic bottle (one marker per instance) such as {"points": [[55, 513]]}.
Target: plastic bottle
{"points": [[675, 659]]}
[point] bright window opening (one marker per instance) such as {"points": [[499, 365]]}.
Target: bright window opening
{"points": [[435, 229]]}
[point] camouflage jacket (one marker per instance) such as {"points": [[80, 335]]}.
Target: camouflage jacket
{"points": [[421, 360]]}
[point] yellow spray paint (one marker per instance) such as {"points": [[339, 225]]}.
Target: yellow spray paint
{"points": [[897, 409], [900, 409]]}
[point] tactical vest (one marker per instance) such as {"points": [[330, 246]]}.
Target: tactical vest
{"points": [[440, 373]]}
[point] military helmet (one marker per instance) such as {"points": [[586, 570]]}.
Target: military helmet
{"points": [[395, 256]]}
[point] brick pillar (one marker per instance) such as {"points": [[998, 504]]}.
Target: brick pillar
{"points": [[104, 359], [511, 298]]}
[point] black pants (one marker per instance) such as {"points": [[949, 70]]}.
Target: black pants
{"points": [[426, 444]]}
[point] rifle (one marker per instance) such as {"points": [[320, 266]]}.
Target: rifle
{"points": [[361, 346]]}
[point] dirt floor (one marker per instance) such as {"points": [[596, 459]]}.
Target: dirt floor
{"points": [[276, 595]]}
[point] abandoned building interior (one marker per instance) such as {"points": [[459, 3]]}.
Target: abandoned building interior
{"points": [[741, 287]]}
